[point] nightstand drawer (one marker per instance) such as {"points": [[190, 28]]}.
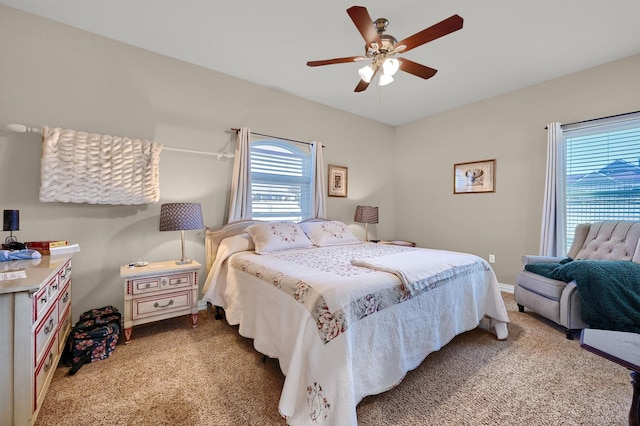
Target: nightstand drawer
{"points": [[145, 285], [160, 304], [179, 280]]}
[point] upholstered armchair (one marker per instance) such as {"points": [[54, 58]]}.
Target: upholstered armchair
{"points": [[559, 301]]}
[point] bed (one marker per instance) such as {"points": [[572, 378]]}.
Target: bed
{"points": [[345, 318]]}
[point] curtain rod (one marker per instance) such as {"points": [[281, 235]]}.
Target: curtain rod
{"points": [[601, 118], [21, 128], [235, 129]]}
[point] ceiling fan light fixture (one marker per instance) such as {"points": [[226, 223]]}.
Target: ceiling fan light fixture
{"points": [[380, 48], [384, 80], [390, 66], [366, 73]]}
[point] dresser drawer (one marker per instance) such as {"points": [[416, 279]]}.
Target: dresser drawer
{"points": [[64, 299], [44, 370], [54, 287], [160, 304], [65, 273], [43, 297], [145, 285], [44, 332], [64, 328]]}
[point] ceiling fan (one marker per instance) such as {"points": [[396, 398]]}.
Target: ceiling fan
{"points": [[381, 48]]}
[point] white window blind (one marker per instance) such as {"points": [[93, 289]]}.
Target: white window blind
{"points": [[602, 171], [281, 181]]}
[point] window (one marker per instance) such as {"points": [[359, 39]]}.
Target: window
{"points": [[281, 183], [602, 177]]}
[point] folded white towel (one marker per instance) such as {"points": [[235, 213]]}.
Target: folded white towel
{"points": [[420, 267]]}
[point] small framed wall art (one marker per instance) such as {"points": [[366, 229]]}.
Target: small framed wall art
{"points": [[477, 176], [338, 181]]}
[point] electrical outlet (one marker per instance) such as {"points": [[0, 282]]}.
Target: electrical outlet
{"points": [[492, 258]]}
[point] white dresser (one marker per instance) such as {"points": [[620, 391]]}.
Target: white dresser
{"points": [[35, 320]]}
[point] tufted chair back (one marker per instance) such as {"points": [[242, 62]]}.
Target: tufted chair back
{"points": [[609, 240]]}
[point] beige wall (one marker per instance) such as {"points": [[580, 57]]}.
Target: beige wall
{"points": [[511, 129], [55, 75]]}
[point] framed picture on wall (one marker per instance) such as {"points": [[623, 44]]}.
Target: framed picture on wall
{"points": [[477, 176], [337, 181]]}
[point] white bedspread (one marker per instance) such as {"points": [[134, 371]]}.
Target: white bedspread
{"points": [[340, 331]]}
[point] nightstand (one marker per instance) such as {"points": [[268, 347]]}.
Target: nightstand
{"points": [[158, 291]]}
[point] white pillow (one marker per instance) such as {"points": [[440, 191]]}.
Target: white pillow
{"points": [[236, 243], [274, 236], [329, 233]]}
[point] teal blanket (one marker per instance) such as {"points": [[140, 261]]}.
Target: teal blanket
{"points": [[609, 290]]}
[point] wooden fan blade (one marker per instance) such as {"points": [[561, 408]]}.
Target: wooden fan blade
{"points": [[417, 69], [362, 85], [335, 61], [363, 22], [442, 28]]}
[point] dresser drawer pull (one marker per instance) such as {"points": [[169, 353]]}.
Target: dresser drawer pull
{"points": [[49, 363], [157, 305], [65, 298], [147, 285], [49, 327], [43, 300]]}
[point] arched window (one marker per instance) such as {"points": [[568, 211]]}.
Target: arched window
{"points": [[281, 181]]}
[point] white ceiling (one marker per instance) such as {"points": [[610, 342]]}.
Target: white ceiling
{"points": [[504, 44]]}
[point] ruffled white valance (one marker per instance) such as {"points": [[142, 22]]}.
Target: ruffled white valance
{"points": [[80, 167]]}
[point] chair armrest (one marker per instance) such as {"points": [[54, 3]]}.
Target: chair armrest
{"points": [[528, 259]]}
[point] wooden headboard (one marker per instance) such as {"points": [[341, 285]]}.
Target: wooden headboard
{"points": [[214, 237]]}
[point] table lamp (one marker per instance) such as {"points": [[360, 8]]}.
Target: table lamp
{"points": [[11, 222], [366, 215], [181, 217]]}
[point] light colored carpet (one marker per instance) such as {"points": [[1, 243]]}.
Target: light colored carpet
{"points": [[171, 374]]}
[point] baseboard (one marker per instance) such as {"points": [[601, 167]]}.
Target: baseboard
{"points": [[507, 288]]}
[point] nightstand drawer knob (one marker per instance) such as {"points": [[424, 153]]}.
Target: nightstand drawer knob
{"points": [[157, 305]]}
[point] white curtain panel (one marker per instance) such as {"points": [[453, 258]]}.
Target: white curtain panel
{"points": [[552, 231], [319, 196], [81, 167], [240, 202]]}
